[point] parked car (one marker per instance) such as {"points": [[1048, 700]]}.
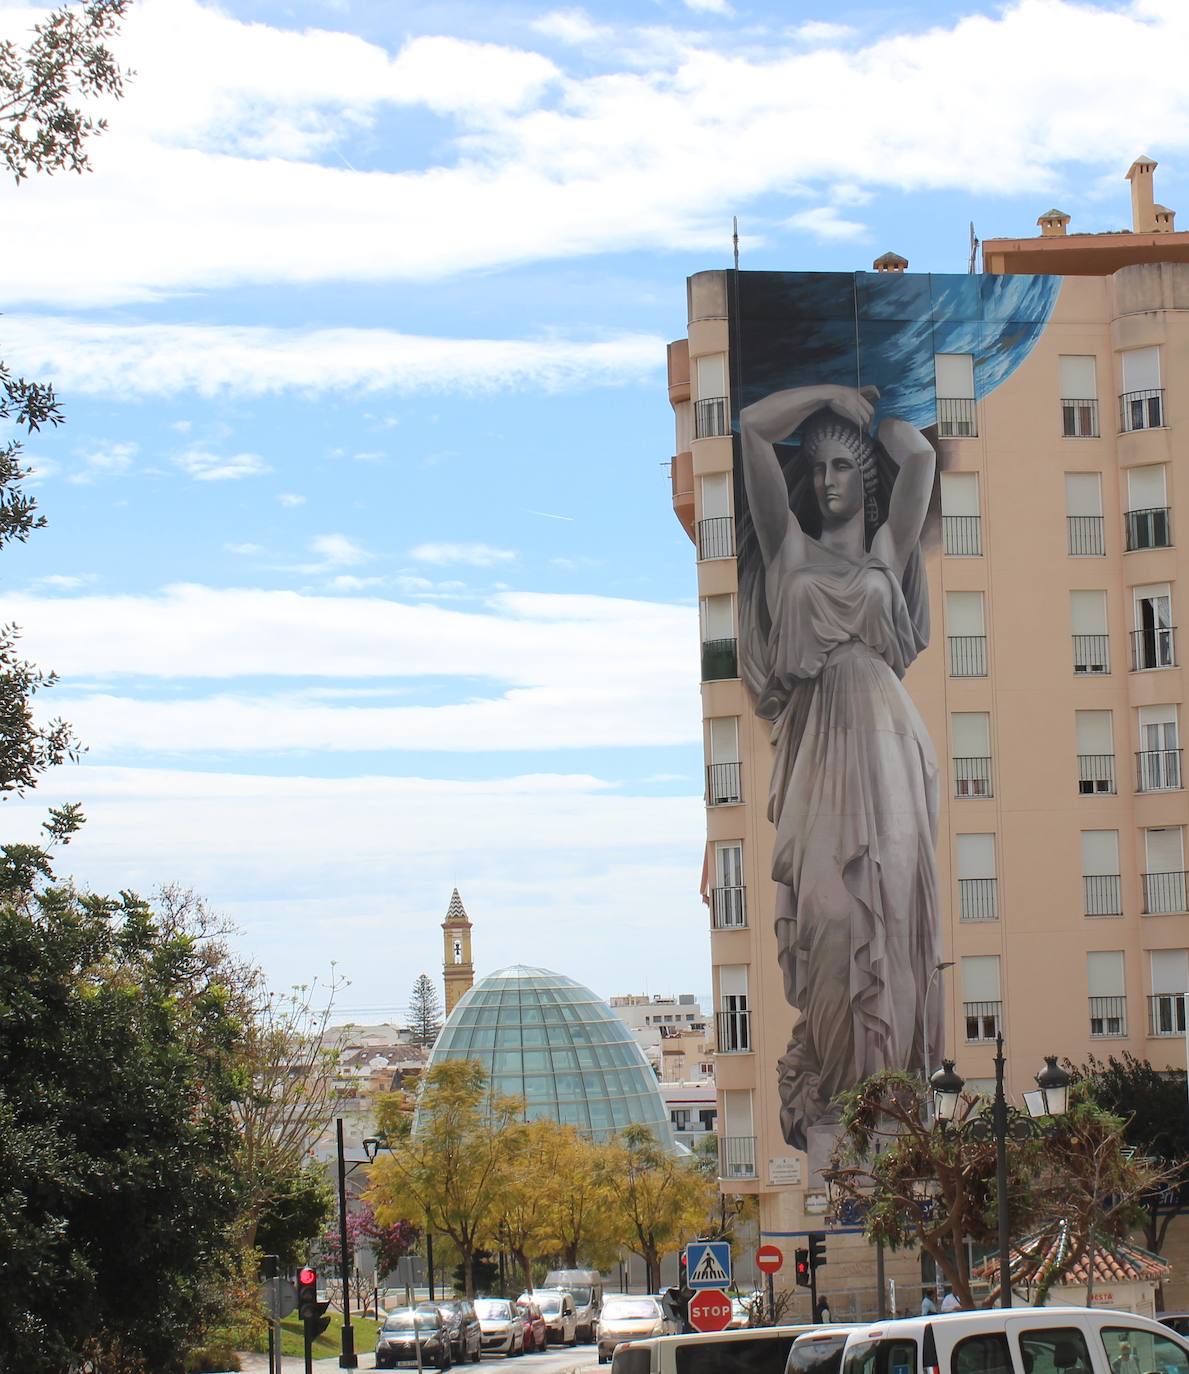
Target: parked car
{"points": [[561, 1317], [406, 1328], [628, 1319], [466, 1337], [819, 1351], [1178, 1321], [757, 1350], [535, 1335], [586, 1288], [501, 1326]]}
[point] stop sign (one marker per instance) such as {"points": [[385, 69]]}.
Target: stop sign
{"points": [[769, 1258], [710, 1310]]}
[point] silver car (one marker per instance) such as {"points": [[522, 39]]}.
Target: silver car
{"points": [[501, 1325], [561, 1316]]}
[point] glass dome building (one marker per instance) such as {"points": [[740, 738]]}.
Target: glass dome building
{"points": [[545, 1038]]}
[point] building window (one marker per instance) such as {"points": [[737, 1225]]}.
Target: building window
{"points": [[978, 895], [971, 732], [728, 907], [1102, 887], [1164, 878], [1153, 641], [737, 1140], [956, 418], [1170, 982], [1149, 519], [719, 657], [1079, 397], [716, 528], [981, 999], [1108, 994], [734, 1015], [966, 638], [961, 528], [710, 409], [1091, 643], [1141, 403], [1096, 752], [1158, 762], [723, 772], [683, 416], [1083, 514]]}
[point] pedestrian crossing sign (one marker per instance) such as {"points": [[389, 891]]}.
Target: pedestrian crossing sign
{"points": [[708, 1264]]}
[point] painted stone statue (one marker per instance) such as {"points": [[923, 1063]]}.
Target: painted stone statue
{"points": [[832, 612]]}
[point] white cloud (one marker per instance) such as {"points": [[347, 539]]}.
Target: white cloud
{"points": [[474, 555], [824, 222], [709, 6], [205, 466], [570, 26], [822, 31], [104, 460], [246, 550], [62, 582], [336, 550], [290, 499]]}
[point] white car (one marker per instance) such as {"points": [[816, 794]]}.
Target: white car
{"points": [[502, 1328], [561, 1316]]}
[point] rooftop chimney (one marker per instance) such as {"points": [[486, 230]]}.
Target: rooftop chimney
{"points": [[1053, 224], [1164, 219], [890, 262], [1143, 204]]}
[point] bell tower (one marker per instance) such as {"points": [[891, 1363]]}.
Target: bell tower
{"points": [[458, 972]]}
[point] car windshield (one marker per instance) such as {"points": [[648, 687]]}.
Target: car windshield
{"points": [[403, 1321], [549, 1303], [581, 1295], [493, 1309], [624, 1309]]}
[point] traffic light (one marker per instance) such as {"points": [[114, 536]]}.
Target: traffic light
{"points": [[817, 1250], [309, 1309], [801, 1258]]}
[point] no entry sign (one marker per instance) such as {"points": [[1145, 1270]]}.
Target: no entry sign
{"points": [[769, 1259], [710, 1310]]}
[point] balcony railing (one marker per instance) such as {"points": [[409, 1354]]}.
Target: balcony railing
{"points": [[724, 784], [1149, 529], [1166, 1013], [1108, 1017], [1086, 537], [716, 537], [978, 899], [728, 908], [710, 417], [734, 1032], [968, 655], [1091, 654], [983, 1020], [1079, 418], [1164, 893], [972, 777], [1096, 774], [1158, 770], [1141, 409], [736, 1156], [1155, 648], [962, 536], [719, 659], [1102, 894], [956, 417]]}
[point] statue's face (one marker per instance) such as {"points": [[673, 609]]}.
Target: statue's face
{"points": [[837, 482]]}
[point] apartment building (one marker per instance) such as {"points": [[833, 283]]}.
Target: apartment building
{"points": [[937, 539]]}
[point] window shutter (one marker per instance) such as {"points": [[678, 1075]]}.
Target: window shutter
{"points": [[1083, 493], [964, 613], [1100, 853], [955, 375], [1094, 734], [1078, 382], [1104, 973], [976, 856], [1170, 970], [1141, 369], [712, 376], [980, 978], [1088, 612], [1146, 488], [972, 734]]}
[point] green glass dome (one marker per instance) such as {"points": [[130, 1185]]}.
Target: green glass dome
{"points": [[547, 1039]]}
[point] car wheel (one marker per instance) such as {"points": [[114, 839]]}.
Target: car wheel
{"points": [[602, 1358]]}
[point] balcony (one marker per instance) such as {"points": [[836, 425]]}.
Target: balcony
{"points": [[1079, 418], [1141, 410], [724, 784], [1091, 655], [962, 536], [956, 417], [1158, 770], [972, 777], [1163, 893], [1154, 648], [983, 1020], [968, 655], [1086, 537], [719, 659], [710, 417], [734, 1031], [1108, 1018], [1102, 894], [728, 908], [716, 537], [1149, 529], [1166, 1013], [737, 1156], [978, 899], [1096, 774]]}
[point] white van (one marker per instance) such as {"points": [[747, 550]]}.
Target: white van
{"points": [[586, 1286], [1018, 1340], [751, 1350]]}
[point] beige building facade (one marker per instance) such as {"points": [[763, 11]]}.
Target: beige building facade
{"points": [[996, 844]]}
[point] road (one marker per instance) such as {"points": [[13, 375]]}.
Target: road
{"points": [[555, 1360]]}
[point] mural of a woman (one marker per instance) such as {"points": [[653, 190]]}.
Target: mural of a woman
{"points": [[835, 611]]}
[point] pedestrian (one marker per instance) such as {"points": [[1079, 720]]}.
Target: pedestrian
{"points": [[1126, 1363], [949, 1303], [823, 1316], [928, 1306]]}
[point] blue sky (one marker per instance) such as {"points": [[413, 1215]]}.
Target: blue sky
{"points": [[361, 574]]}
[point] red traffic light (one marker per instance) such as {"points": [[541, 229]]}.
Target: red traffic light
{"points": [[307, 1276]]}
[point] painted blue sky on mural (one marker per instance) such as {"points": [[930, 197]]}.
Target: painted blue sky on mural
{"points": [[361, 574]]}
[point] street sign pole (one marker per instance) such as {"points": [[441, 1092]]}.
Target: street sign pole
{"points": [[771, 1297]]}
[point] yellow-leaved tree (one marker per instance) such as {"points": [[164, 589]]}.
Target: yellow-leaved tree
{"points": [[584, 1207]]}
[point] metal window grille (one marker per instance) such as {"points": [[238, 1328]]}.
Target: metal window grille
{"points": [[1158, 770], [1153, 648], [716, 537], [1086, 535], [710, 417], [1163, 893], [724, 783], [1141, 409], [719, 659], [737, 1156], [1102, 894], [972, 777], [1079, 418], [956, 417], [734, 1031], [1108, 1017], [728, 907], [962, 536], [983, 1020], [968, 655], [1150, 528], [1091, 654], [1096, 774], [1166, 1013], [978, 899]]}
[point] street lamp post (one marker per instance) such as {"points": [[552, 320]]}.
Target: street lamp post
{"points": [[372, 1146], [1049, 1099], [347, 1356], [938, 969]]}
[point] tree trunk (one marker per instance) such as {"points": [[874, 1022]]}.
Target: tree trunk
{"points": [[652, 1269], [526, 1268], [468, 1270], [571, 1252]]}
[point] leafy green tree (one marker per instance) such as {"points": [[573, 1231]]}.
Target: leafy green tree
{"points": [[295, 1211], [425, 1012]]}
